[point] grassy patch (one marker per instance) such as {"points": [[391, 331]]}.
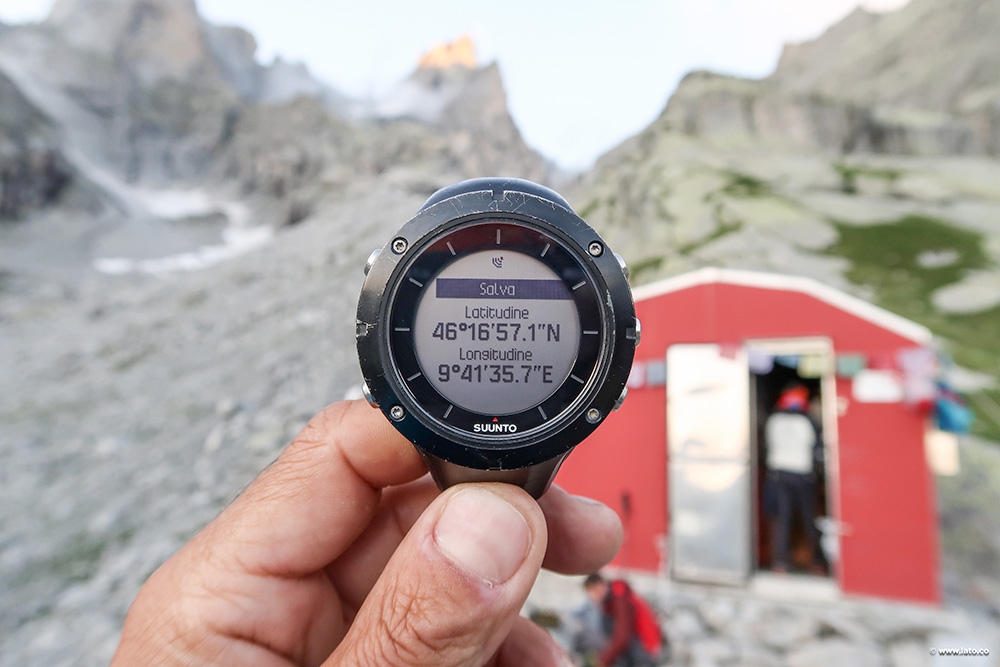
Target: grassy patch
{"points": [[986, 405], [723, 229], [885, 258], [644, 266], [589, 209], [743, 186], [849, 174]]}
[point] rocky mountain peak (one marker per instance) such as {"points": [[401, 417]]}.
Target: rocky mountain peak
{"points": [[459, 53], [922, 80], [449, 92], [932, 55], [159, 39]]}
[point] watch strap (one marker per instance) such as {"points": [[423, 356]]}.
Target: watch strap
{"points": [[534, 479]]}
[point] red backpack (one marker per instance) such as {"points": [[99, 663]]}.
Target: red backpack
{"points": [[647, 628]]}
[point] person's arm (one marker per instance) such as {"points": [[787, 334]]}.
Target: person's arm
{"points": [[622, 624]]}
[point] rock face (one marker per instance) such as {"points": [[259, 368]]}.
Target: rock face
{"points": [[938, 56], [921, 81], [33, 171], [143, 95], [449, 91]]}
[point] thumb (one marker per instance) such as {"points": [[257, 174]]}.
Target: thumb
{"points": [[452, 591]]}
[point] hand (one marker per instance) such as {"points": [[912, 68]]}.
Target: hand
{"points": [[344, 552]]}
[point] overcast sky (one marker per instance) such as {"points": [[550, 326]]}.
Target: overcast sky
{"points": [[581, 76]]}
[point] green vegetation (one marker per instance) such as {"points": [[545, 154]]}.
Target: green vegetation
{"points": [[724, 228], [849, 174], [744, 186], [644, 266], [589, 209], [885, 257]]}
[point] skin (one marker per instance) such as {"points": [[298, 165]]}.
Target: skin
{"points": [[596, 592], [343, 552]]}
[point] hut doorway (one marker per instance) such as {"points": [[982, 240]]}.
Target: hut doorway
{"points": [[773, 367]]}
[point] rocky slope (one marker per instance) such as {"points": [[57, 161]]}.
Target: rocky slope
{"points": [[33, 170], [921, 81]]}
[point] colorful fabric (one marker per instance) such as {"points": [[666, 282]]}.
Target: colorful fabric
{"points": [[919, 366], [951, 412], [787, 360], [849, 365], [760, 363], [814, 365]]}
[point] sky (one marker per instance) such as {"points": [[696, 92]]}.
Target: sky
{"points": [[580, 76]]}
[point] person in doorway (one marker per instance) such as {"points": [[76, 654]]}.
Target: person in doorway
{"points": [[631, 631], [792, 438]]}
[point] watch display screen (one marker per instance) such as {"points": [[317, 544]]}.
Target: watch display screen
{"points": [[495, 328], [496, 331]]}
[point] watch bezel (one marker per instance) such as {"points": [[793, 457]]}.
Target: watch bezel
{"points": [[388, 357]]}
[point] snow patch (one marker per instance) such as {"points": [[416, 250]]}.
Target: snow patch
{"points": [[235, 242]]}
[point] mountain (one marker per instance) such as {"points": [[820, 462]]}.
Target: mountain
{"points": [[33, 170], [935, 56], [921, 81], [449, 90], [156, 117]]}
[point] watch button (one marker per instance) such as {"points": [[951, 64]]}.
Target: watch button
{"points": [[368, 395], [621, 263], [621, 399], [371, 259], [638, 331]]}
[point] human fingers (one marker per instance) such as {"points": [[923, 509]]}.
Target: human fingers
{"points": [[313, 502], [355, 572], [451, 592], [528, 645], [583, 535], [252, 581]]}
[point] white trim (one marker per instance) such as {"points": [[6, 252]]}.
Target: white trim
{"points": [[887, 320]]}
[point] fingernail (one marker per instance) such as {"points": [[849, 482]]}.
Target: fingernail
{"points": [[483, 535]]}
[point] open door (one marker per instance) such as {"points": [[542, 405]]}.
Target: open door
{"points": [[709, 465]]}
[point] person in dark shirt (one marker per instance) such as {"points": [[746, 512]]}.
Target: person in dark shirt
{"points": [[633, 633]]}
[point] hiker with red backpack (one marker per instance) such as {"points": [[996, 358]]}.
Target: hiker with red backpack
{"points": [[633, 633]]}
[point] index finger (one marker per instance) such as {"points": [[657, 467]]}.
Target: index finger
{"points": [[305, 509]]}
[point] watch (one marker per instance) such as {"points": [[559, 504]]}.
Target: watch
{"points": [[495, 331]]}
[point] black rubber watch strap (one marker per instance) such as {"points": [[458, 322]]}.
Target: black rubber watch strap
{"points": [[534, 479]]}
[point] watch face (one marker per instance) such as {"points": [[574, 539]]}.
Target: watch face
{"points": [[496, 332], [496, 329]]}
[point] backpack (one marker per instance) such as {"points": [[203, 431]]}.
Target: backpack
{"points": [[647, 627]]}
